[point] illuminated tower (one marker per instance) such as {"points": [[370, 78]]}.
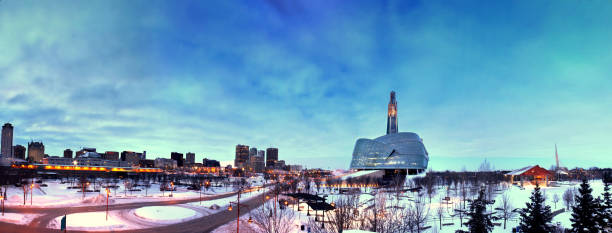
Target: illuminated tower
{"points": [[392, 115]]}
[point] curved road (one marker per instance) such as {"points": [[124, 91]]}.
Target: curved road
{"points": [[203, 224]]}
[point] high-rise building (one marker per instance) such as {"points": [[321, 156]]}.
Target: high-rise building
{"points": [[190, 158], [271, 157], [67, 153], [392, 115], [261, 153], [242, 156], [178, 157], [19, 152], [7, 141], [36, 152], [257, 163]]}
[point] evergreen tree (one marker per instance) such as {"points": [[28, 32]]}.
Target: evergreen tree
{"points": [[606, 207], [536, 217], [479, 221], [584, 213]]}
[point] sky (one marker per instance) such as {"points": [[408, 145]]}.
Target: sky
{"points": [[498, 80]]}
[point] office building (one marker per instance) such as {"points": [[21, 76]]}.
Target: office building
{"points": [[190, 158], [242, 156], [19, 152], [210, 163], [165, 163], [131, 157], [67, 153], [147, 163], [6, 149], [36, 152], [178, 157], [271, 157], [111, 155]]}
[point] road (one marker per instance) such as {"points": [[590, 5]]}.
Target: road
{"points": [[203, 224]]}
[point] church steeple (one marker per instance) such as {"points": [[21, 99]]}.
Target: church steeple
{"points": [[392, 115]]}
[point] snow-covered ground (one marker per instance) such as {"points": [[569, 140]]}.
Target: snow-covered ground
{"points": [[166, 214], [450, 220], [147, 217], [17, 218], [58, 195], [94, 221]]}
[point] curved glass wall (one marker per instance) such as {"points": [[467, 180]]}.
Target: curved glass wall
{"points": [[392, 151]]}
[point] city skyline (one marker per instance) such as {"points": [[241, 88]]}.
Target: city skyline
{"points": [[505, 82]]}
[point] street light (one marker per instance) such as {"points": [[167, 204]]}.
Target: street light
{"points": [[107, 195], [171, 188], [238, 211], [74, 172], [31, 191], [2, 199]]}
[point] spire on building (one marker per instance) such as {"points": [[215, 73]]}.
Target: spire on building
{"points": [[392, 115]]}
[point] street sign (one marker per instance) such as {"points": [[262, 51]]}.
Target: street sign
{"points": [[63, 227]]}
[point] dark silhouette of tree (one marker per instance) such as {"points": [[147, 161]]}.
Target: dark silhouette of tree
{"points": [[606, 207], [479, 221], [536, 217], [584, 212]]}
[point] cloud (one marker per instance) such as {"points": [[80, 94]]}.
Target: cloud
{"points": [[474, 80]]}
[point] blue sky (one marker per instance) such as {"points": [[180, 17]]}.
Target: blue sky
{"points": [[502, 80]]}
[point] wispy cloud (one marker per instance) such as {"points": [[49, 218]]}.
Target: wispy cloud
{"points": [[474, 79]]}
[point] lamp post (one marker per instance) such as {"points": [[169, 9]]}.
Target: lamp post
{"points": [[171, 189], [238, 211], [107, 195], [2, 198], [31, 192], [74, 172]]}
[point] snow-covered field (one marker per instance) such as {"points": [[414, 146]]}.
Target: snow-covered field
{"points": [[58, 195], [450, 220]]}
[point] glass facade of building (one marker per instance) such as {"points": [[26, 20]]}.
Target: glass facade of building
{"points": [[403, 150]]}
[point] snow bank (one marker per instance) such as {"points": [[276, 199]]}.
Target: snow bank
{"points": [[93, 221], [21, 219], [166, 214]]}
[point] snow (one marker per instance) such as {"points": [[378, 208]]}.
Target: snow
{"points": [[224, 202], [518, 197], [166, 213], [359, 173], [57, 195], [16, 218], [93, 221]]}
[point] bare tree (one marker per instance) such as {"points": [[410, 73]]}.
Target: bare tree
{"points": [[267, 220], [341, 218], [317, 182], [555, 199], [505, 208], [398, 185], [429, 185], [417, 215], [568, 198], [440, 214]]}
